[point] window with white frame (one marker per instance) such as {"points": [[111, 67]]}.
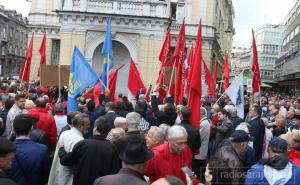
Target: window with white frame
{"points": [[55, 52]]}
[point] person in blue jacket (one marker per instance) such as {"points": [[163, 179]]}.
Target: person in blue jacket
{"points": [[277, 169], [31, 163]]}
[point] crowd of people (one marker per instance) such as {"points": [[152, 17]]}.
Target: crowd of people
{"points": [[118, 142]]}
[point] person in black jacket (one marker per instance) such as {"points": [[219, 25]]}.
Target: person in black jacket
{"points": [[235, 119], [168, 115], [193, 132], [193, 135], [7, 149], [121, 109], [110, 115], [94, 157], [257, 130], [147, 120]]}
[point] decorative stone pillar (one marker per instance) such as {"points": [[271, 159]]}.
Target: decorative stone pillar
{"points": [[146, 9], [68, 5], [83, 5], [161, 10]]}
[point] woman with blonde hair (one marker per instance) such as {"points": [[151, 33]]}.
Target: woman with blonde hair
{"points": [[280, 126], [116, 134]]}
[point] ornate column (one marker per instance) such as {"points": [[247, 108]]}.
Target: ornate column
{"points": [[68, 5], [83, 5]]}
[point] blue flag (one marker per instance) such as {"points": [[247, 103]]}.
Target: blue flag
{"points": [[107, 53], [81, 77]]}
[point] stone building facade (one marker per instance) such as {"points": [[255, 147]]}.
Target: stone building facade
{"points": [[287, 66], [13, 42], [138, 30], [268, 42]]}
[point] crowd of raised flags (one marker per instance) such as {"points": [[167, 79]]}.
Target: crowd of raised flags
{"points": [[186, 75], [184, 130]]}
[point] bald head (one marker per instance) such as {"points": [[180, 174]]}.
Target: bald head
{"points": [[41, 102]]}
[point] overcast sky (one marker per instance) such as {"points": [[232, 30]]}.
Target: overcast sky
{"points": [[254, 13], [248, 14]]}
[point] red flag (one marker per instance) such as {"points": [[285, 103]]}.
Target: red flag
{"points": [[25, 70], [113, 76], [42, 51], [256, 81], [215, 78], [209, 80], [97, 92], [178, 56], [189, 70], [134, 80], [164, 57], [225, 84], [196, 82]]}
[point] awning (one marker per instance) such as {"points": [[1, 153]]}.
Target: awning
{"points": [[246, 78]]}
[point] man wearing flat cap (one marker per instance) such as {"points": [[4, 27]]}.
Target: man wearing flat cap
{"points": [[7, 150], [277, 169], [134, 157], [230, 151]]}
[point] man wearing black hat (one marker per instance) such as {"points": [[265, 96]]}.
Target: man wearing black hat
{"points": [[275, 170], [134, 158], [7, 150], [230, 151]]}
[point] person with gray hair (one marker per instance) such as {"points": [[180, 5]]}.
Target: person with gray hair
{"points": [[133, 121], [235, 119], [62, 174], [155, 137], [59, 117], [119, 122], [171, 156], [204, 130]]}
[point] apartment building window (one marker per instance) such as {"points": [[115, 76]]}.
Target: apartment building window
{"points": [[179, 13], [11, 33], [270, 49], [55, 52], [4, 33]]}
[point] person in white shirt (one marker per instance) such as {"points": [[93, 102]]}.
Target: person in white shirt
{"points": [[63, 175], [59, 117]]}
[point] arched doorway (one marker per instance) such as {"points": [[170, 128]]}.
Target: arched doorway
{"points": [[121, 56]]}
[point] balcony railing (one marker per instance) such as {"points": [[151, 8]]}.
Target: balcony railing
{"points": [[123, 7], [192, 29]]}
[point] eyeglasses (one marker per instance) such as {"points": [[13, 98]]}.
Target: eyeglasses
{"points": [[179, 143]]}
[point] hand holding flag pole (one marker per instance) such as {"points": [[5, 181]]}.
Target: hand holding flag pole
{"points": [[151, 79]]}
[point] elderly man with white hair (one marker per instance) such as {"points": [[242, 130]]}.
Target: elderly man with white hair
{"points": [[171, 156], [119, 122], [133, 122], [155, 137], [235, 119]]}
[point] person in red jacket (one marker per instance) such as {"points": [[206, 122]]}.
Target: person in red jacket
{"points": [[294, 150], [170, 157], [46, 122]]}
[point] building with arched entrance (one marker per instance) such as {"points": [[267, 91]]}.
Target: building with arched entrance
{"points": [[138, 29]]}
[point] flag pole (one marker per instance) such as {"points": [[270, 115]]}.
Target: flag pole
{"points": [[102, 83], [25, 64], [171, 79], [107, 73], [59, 83], [152, 76]]}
